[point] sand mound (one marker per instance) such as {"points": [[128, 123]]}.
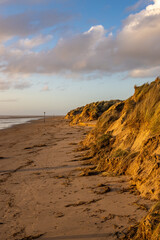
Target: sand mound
{"points": [[90, 112]]}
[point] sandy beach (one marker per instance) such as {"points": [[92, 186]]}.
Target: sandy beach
{"points": [[43, 196]]}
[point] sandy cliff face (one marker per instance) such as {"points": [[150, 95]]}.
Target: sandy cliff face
{"points": [[148, 228], [126, 139]]}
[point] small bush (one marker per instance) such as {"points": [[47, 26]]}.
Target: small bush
{"points": [[120, 153], [104, 140]]}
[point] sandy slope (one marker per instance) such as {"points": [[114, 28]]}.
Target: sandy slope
{"points": [[41, 192]]}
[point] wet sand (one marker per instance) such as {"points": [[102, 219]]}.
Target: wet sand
{"points": [[43, 196]]}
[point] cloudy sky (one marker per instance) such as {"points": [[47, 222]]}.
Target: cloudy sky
{"points": [[56, 55]]}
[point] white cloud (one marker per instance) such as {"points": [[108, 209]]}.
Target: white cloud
{"points": [[4, 85], [45, 88], [149, 72], [22, 85], [135, 49], [7, 84], [138, 4], [69, 54], [29, 23], [28, 43], [14, 80]]}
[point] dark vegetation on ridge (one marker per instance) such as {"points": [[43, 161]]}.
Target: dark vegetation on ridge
{"points": [[90, 112], [126, 140]]}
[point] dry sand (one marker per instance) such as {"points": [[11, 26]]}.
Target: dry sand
{"points": [[42, 195]]}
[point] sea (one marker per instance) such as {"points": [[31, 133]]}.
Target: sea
{"points": [[9, 121]]}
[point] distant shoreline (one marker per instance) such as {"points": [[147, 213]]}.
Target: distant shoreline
{"points": [[20, 116], [20, 120], [9, 122]]}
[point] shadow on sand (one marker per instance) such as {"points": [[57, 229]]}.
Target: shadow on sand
{"points": [[76, 237], [35, 169]]}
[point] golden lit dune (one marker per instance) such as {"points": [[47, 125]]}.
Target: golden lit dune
{"points": [[126, 141]]}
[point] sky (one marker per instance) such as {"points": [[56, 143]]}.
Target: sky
{"points": [[56, 55]]}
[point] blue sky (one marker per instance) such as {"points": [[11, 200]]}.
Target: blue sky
{"points": [[56, 55]]}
